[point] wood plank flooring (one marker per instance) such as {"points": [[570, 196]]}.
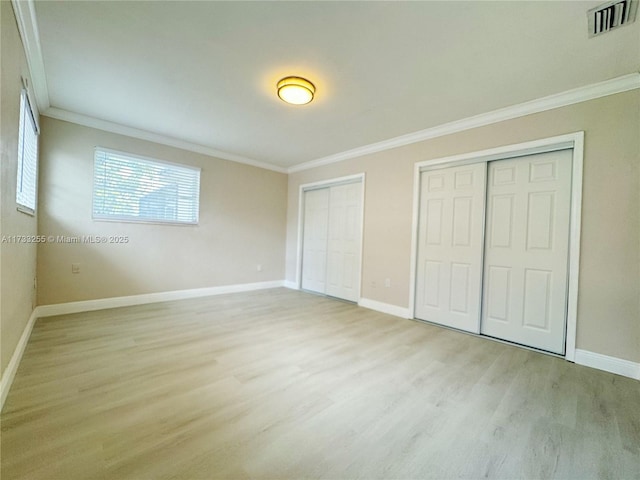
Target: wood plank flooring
{"points": [[287, 385]]}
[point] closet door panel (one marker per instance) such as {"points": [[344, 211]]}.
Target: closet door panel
{"points": [[314, 243], [343, 267], [450, 236], [526, 254]]}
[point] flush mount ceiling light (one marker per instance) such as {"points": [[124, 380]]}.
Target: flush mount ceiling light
{"points": [[296, 90]]}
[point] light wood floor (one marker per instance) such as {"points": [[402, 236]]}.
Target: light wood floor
{"points": [[287, 385]]}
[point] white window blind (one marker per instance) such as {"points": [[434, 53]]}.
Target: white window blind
{"points": [[131, 188], [27, 181]]}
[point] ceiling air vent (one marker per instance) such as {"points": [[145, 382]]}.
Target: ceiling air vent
{"points": [[611, 15]]}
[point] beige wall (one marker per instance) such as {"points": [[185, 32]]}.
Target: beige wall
{"points": [[17, 261], [608, 306], [242, 224]]}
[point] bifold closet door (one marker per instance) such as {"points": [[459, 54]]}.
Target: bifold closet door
{"points": [[343, 265], [449, 270], [331, 240], [526, 250], [314, 240]]}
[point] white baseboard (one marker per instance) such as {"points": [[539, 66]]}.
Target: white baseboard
{"points": [[606, 363], [10, 372], [114, 302], [387, 308], [291, 285], [615, 365]]}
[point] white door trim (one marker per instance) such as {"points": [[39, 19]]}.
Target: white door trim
{"points": [[357, 178], [574, 141]]}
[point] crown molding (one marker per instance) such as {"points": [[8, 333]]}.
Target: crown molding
{"points": [[28, 27], [112, 127], [25, 13], [563, 99], [570, 97]]}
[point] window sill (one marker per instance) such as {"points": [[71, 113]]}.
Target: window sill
{"points": [[26, 210]]}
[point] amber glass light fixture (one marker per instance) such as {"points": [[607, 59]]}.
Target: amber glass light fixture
{"points": [[296, 90]]}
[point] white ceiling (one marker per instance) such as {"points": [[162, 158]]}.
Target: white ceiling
{"points": [[205, 72]]}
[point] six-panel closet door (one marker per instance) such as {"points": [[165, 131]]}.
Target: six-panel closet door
{"points": [[526, 250], [332, 240], [449, 270], [503, 272], [343, 259]]}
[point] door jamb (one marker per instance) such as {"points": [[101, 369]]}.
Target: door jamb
{"points": [[574, 141]]}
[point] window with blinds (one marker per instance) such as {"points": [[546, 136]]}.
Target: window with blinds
{"points": [[136, 189], [27, 181]]}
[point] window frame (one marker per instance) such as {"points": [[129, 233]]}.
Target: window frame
{"points": [[131, 219], [26, 110]]}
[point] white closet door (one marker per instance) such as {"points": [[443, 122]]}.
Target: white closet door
{"points": [[526, 248], [451, 221], [343, 265], [314, 243]]}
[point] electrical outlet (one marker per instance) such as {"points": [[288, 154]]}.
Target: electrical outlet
{"points": [[75, 268], [259, 268], [387, 282]]}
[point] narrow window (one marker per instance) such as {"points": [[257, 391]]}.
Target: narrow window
{"points": [[27, 184]]}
